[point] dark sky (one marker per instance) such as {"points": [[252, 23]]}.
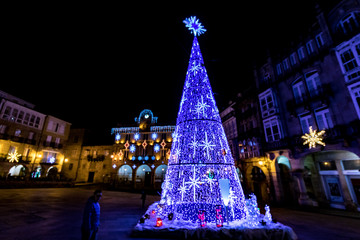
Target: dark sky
{"points": [[99, 65]]}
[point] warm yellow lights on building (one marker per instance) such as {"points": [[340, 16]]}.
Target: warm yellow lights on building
{"points": [[312, 138]]}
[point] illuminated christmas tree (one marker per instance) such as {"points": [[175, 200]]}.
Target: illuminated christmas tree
{"points": [[200, 155]]}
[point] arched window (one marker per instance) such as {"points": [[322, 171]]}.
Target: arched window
{"points": [[125, 173], [160, 172], [140, 172], [284, 160]]}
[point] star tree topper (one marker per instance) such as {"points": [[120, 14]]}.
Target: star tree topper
{"points": [[312, 138], [194, 26]]}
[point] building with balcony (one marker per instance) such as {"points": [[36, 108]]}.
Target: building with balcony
{"points": [[314, 82], [31, 143]]}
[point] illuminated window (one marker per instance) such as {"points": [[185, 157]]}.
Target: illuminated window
{"points": [[301, 53], [293, 59], [313, 83], [310, 47], [299, 91], [285, 64], [323, 119], [17, 133], [350, 22], [267, 103], [354, 90], [278, 69], [306, 120], [319, 40], [272, 129]]}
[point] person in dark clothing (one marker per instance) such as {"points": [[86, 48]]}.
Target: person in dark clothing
{"points": [[91, 217], [143, 197]]}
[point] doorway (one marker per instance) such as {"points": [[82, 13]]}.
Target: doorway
{"points": [[147, 181], [91, 177]]}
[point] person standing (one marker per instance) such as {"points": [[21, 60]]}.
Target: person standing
{"points": [[91, 217]]}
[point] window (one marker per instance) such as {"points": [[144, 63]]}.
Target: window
{"points": [[319, 40], [306, 120], [313, 83], [293, 59], [2, 128], [309, 47], [323, 119], [17, 133], [278, 69], [272, 129], [299, 91], [20, 117], [266, 103], [354, 90], [48, 139], [14, 114], [327, 166], [37, 122], [7, 112], [301, 53], [348, 60], [32, 120], [26, 119], [350, 22], [31, 135], [286, 64]]}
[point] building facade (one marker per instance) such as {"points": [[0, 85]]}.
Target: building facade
{"points": [[31, 143], [314, 83], [136, 159]]}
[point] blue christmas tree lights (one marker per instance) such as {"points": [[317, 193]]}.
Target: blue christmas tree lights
{"points": [[200, 155]]}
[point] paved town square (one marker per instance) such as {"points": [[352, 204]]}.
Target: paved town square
{"points": [[56, 213]]}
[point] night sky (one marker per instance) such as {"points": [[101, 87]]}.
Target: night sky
{"points": [[98, 65]]}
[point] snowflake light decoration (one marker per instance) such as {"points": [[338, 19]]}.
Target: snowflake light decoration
{"points": [[194, 26], [312, 138], [13, 157]]}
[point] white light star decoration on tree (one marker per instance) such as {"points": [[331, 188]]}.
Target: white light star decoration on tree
{"points": [[312, 138], [14, 156], [194, 26], [194, 182], [207, 145]]}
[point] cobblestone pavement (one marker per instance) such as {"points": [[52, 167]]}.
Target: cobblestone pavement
{"points": [[55, 213]]}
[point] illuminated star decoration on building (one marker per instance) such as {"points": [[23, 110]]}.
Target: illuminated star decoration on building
{"points": [[13, 157], [194, 26], [312, 138]]}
